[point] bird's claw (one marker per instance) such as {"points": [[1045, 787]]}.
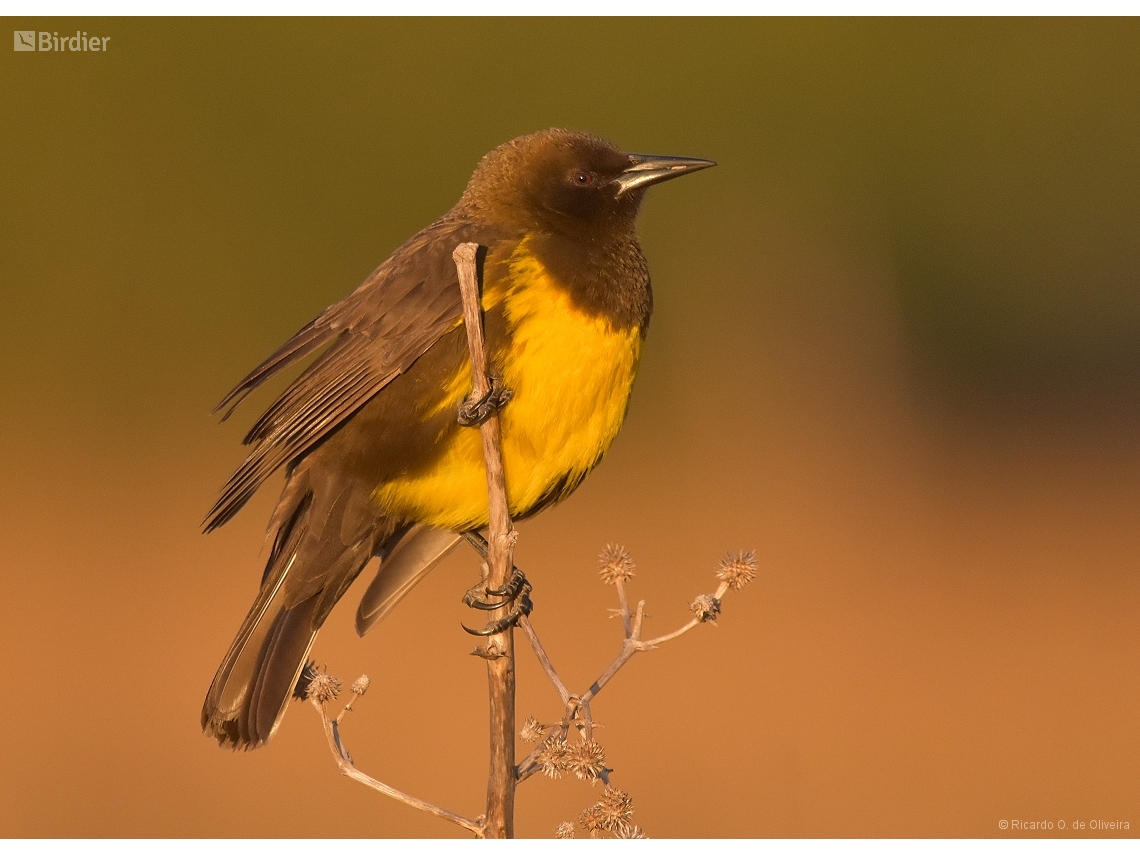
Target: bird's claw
{"points": [[473, 413], [479, 596], [515, 593]]}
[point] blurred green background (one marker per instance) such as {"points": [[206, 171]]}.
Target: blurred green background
{"points": [[896, 349]]}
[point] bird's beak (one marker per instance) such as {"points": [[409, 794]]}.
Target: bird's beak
{"points": [[647, 169]]}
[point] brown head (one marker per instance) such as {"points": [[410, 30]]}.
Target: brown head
{"points": [[565, 182], [576, 197]]}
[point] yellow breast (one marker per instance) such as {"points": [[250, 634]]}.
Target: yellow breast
{"points": [[571, 374]]}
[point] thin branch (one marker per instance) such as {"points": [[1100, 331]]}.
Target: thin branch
{"points": [[344, 762], [577, 707], [544, 659], [624, 603], [653, 642], [529, 765], [638, 619], [628, 648], [499, 651]]}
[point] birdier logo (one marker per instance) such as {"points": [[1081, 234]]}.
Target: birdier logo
{"points": [[80, 42]]}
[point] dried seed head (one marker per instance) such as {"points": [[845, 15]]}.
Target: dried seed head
{"points": [[323, 687], [705, 608], [592, 820], [616, 564], [613, 812], [361, 685], [565, 831], [617, 804], [532, 730], [301, 690], [551, 757], [737, 570], [630, 832], [587, 760]]}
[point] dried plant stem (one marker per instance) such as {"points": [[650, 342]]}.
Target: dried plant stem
{"points": [[624, 603], [721, 590], [344, 762], [631, 645], [544, 660], [501, 537]]}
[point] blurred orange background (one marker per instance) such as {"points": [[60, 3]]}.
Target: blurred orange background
{"points": [[896, 350]]}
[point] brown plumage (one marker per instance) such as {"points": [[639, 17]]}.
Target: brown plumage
{"points": [[375, 461]]}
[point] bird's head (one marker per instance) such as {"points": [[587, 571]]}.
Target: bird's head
{"points": [[564, 181]]}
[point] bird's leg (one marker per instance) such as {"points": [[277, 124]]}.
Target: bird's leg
{"points": [[516, 593], [521, 607], [472, 413]]}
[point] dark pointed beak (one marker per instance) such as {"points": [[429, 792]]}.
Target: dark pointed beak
{"points": [[647, 169]]}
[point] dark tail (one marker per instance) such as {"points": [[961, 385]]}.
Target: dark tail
{"points": [[322, 541]]}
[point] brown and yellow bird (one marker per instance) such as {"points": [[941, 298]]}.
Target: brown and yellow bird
{"points": [[376, 462]]}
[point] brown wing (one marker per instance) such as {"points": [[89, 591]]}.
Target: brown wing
{"points": [[370, 337]]}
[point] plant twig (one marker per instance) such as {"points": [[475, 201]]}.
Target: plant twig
{"points": [[544, 659], [499, 651], [577, 707], [346, 766], [624, 603]]}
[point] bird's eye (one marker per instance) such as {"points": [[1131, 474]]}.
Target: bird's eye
{"points": [[583, 179]]}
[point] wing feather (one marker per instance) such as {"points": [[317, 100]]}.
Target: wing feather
{"points": [[370, 337]]}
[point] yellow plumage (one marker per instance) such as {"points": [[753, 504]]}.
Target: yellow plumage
{"points": [[571, 373]]}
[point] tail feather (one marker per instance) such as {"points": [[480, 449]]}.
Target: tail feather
{"points": [[255, 680], [321, 542], [225, 711], [284, 655], [416, 553]]}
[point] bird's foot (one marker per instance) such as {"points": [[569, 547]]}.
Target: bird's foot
{"points": [[515, 594], [473, 413], [480, 597]]}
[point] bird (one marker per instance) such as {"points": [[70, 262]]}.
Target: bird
{"points": [[376, 462]]}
